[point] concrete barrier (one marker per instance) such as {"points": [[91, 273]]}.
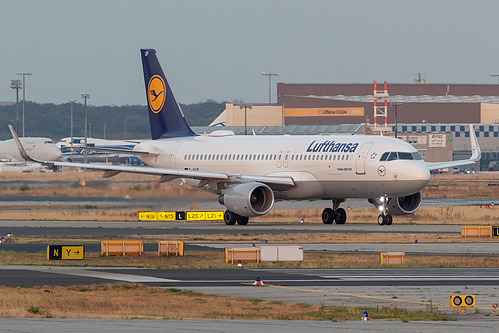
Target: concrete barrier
{"points": [[245, 254], [174, 248], [121, 248], [392, 258], [281, 253], [476, 231]]}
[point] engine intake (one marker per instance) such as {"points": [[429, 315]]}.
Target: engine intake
{"points": [[406, 205], [249, 199]]}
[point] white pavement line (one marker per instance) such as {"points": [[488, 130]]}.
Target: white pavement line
{"points": [[409, 278], [102, 275]]}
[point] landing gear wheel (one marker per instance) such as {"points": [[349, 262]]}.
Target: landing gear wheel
{"points": [[328, 216], [230, 218], [389, 219], [242, 220], [341, 216], [382, 219]]}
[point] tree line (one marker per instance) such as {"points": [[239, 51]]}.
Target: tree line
{"points": [[120, 122]]}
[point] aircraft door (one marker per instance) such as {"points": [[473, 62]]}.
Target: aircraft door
{"points": [[279, 159], [286, 159], [173, 155], [361, 158]]}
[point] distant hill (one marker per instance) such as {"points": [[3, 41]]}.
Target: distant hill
{"points": [[51, 120]]}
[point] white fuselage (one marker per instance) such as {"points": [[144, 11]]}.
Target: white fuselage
{"points": [[42, 149], [322, 167]]}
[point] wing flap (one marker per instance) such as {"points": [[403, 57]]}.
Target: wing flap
{"points": [[119, 151]]}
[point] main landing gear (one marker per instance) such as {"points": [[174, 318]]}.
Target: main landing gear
{"points": [[384, 218], [230, 218], [336, 214]]}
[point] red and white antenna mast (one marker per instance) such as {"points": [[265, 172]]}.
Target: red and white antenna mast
{"points": [[380, 111]]}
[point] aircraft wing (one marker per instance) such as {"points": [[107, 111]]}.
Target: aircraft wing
{"points": [[119, 151], [275, 182], [476, 155], [206, 177]]}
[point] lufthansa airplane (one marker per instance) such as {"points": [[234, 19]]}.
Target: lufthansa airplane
{"points": [[249, 173]]}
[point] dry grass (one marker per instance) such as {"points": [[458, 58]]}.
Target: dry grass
{"points": [[135, 185], [459, 186], [129, 301], [454, 215], [216, 260]]}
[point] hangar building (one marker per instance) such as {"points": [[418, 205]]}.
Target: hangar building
{"points": [[423, 111]]}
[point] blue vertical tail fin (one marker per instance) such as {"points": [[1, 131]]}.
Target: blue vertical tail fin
{"points": [[165, 116]]}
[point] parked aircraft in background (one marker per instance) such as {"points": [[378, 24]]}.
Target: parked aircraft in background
{"points": [[98, 150], [248, 173], [38, 148]]}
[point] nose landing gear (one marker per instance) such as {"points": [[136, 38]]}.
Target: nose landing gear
{"points": [[384, 218]]}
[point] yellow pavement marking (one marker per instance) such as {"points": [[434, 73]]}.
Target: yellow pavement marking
{"points": [[357, 295], [365, 296]]}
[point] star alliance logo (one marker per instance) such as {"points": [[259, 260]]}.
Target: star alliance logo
{"points": [[156, 93]]}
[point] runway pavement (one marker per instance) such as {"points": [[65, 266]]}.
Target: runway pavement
{"points": [[237, 326], [53, 228], [425, 288], [412, 288]]}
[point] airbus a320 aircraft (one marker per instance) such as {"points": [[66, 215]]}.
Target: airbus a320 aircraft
{"points": [[248, 173]]}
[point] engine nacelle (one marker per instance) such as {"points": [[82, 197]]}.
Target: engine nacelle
{"points": [[401, 205], [249, 199]]}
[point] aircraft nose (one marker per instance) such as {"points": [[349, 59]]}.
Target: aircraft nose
{"points": [[55, 154], [421, 174]]}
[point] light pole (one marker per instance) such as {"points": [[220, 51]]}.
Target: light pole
{"points": [[270, 83], [105, 131], [396, 105], [24, 92], [85, 97], [72, 102], [16, 85], [245, 106]]}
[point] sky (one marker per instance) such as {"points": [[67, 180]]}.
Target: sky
{"points": [[217, 49]]}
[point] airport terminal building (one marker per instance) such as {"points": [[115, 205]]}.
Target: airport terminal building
{"points": [[432, 117]]}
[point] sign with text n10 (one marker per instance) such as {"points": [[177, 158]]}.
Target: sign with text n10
{"points": [[148, 216]]}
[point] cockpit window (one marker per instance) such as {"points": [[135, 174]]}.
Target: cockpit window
{"points": [[49, 141], [405, 156], [394, 155]]}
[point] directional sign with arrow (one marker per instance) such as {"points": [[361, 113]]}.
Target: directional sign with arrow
{"points": [[65, 252]]}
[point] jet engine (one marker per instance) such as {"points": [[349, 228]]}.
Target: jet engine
{"points": [[249, 199], [406, 205]]}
